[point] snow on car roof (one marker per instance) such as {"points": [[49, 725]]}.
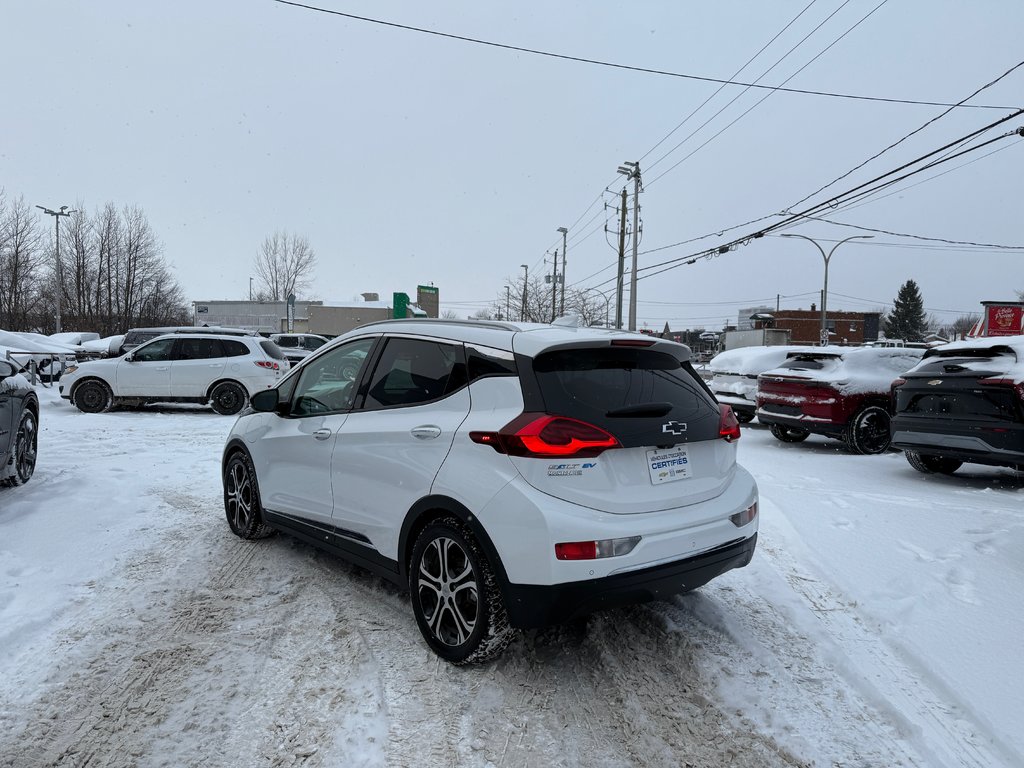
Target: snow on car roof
{"points": [[855, 370], [748, 361], [995, 346]]}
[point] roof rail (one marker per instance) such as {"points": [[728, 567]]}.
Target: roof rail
{"points": [[496, 324]]}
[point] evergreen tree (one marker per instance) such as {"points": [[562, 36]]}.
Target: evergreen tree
{"points": [[907, 320]]}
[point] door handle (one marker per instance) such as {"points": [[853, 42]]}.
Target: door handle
{"points": [[428, 432], [322, 434]]}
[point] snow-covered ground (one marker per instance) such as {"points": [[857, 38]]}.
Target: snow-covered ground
{"points": [[878, 625]]}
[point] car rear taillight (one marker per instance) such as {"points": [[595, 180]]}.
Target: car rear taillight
{"points": [[595, 550], [543, 435], [728, 426], [1018, 386], [272, 365]]}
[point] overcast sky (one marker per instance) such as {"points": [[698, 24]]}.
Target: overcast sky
{"points": [[409, 159]]}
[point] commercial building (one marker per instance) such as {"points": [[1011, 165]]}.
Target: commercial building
{"points": [[327, 318], [804, 325]]}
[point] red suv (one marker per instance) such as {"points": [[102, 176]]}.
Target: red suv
{"points": [[839, 392]]}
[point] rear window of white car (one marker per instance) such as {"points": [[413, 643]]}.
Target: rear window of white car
{"points": [[272, 350], [641, 396]]}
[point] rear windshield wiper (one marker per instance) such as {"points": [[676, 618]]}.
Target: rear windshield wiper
{"points": [[641, 409]]}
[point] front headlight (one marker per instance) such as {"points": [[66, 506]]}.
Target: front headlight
{"points": [[70, 369]]}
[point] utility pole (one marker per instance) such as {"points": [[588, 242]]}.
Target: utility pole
{"points": [[632, 171], [554, 285], [565, 247], [622, 261], [250, 289], [508, 302], [60, 273], [526, 281]]}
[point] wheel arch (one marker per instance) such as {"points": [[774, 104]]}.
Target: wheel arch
{"points": [[234, 445], [85, 380], [226, 380], [431, 508]]}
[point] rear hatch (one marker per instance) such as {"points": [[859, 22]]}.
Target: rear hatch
{"points": [[667, 425], [964, 392]]}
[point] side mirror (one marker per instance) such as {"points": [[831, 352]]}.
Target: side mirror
{"points": [[7, 369], [129, 358], [265, 401]]}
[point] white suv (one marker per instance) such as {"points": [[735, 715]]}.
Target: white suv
{"points": [[224, 370], [510, 475]]}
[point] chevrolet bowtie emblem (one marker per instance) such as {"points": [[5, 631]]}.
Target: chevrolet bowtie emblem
{"points": [[673, 428]]}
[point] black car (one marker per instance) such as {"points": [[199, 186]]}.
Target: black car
{"points": [[19, 426], [964, 403]]}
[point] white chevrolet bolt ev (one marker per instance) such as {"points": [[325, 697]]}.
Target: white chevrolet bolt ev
{"points": [[510, 475]]}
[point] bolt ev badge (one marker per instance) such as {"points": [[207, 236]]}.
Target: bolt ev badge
{"points": [[673, 428]]}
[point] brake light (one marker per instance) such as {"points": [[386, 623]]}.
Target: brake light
{"points": [[268, 364], [595, 550], [632, 343], [544, 435], [728, 426], [1018, 386]]}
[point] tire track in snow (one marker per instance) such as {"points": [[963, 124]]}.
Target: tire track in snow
{"points": [[908, 695]]}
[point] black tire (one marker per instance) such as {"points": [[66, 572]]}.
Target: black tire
{"points": [[789, 434], [467, 624], [743, 417], [23, 457], [242, 505], [92, 396], [868, 431], [228, 398], [932, 464]]}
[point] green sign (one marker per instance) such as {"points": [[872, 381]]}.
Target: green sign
{"points": [[400, 305]]}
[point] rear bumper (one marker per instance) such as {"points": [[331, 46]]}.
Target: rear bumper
{"points": [[814, 425], [969, 448], [531, 605]]}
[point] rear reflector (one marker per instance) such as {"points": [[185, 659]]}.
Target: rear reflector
{"points": [[746, 516], [595, 550], [547, 436], [728, 426]]}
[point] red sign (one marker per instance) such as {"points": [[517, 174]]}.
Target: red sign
{"points": [[1004, 321]]}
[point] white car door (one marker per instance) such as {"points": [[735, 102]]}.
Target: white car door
{"points": [[389, 450], [293, 457], [197, 363], [146, 370]]}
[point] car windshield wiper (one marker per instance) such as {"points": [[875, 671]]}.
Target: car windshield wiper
{"points": [[641, 409]]}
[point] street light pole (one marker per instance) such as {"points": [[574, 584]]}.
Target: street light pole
{"points": [[60, 273], [526, 282], [250, 289], [508, 302], [824, 291]]}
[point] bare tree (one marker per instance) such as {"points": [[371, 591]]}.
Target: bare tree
{"points": [[284, 265], [449, 314], [588, 303], [21, 264]]}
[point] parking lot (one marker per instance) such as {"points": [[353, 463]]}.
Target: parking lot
{"points": [[877, 625]]}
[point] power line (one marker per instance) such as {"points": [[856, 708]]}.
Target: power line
{"points": [[919, 237], [912, 133], [646, 70], [770, 94], [733, 77]]}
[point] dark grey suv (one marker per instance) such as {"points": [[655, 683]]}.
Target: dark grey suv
{"points": [[19, 426]]}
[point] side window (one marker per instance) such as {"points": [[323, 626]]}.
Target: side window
{"points": [[286, 341], [328, 384], [413, 371], [154, 351], [485, 361], [199, 349], [310, 342], [233, 348]]}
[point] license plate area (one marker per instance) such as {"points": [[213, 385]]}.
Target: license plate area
{"points": [[667, 465]]}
